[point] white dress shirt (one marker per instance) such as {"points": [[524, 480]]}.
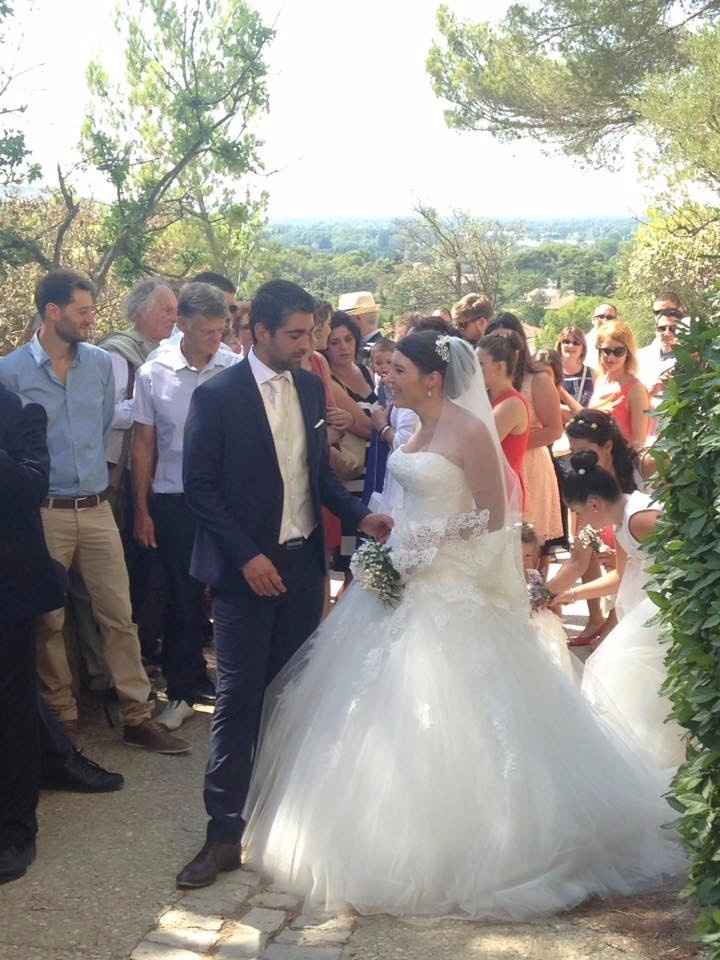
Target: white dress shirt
{"points": [[282, 406], [163, 389]]}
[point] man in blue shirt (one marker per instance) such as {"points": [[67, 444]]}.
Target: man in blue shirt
{"points": [[73, 381]]}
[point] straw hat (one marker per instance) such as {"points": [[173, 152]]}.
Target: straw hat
{"points": [[358, 304]]}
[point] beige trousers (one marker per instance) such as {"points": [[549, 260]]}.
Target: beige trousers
{"points": [[91, 538]]}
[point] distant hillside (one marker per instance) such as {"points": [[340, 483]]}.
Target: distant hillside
{"points": [[380, 238]]}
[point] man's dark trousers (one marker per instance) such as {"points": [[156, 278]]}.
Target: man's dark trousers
{"points": [[254, 637], [32, 742], [183, 661]]}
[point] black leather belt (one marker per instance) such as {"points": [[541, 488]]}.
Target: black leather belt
{"points": [[297, 543]]}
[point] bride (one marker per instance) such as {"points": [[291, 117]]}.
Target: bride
{"points": [[427, 758]]}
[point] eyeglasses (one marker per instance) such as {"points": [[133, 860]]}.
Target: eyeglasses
{"points": [[233, 308], [612, 351], [666, 328], [570, 343], [604, 316], [669, 312]]}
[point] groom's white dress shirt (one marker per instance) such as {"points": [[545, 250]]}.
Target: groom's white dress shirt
{"points": [[282, 406]]}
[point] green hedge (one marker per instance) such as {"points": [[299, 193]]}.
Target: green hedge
{"points": [[686, 588]]}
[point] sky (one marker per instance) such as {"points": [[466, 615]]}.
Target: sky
{"points": [[354, 128]]}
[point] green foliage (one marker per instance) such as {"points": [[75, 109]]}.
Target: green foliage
{"points": [[677, 251], [325, 275], [577, 314], [15, 164], [175, 137], [568, 72], [686, 588]]}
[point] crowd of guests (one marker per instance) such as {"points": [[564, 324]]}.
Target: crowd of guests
{"points": [[97, 541]]}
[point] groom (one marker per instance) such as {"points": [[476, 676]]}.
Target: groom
{"points": [[256, 474]]}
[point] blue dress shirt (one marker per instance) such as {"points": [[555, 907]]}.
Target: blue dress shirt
{"points": [[79, 412]]}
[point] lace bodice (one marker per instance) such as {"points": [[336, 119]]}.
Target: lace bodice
{"points": [[433, 486], [440, 542]]}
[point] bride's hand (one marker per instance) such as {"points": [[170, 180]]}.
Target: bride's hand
{"points": [[377, 526]]}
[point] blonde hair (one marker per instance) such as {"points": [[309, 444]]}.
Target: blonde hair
{"points": [[473, 306], [622, 332]]}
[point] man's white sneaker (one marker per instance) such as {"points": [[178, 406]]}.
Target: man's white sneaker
{"points": [[175, 714]]}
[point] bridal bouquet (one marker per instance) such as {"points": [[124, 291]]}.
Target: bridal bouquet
{"points": [[373, 568], [538, 593]]}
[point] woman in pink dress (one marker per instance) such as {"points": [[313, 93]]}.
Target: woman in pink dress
{"points": [[536, 385], [617, 389]]}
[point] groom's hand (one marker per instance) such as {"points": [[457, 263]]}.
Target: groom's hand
{"points": [[262, 577], [376, 525]]}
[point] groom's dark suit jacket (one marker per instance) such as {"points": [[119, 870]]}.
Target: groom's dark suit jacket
{"points": [[232, 479]]}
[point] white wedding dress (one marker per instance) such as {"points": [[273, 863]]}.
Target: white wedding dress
{"points": [[431, 759], [622, 679]]}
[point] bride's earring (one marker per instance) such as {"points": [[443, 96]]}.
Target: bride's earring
{"points": [[429, 393]]}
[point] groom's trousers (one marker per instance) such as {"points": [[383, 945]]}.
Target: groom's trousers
{"points": [[254, 638]]}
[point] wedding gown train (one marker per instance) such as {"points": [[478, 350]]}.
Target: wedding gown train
{"points": [[431, 759]]}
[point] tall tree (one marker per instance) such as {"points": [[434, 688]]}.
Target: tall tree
{"points": [[16, 166], [567, 72], [459, 253], [176, 129]]}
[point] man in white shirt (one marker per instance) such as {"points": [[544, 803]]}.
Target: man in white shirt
{"points": [[163, 389], [656, 361], [603, 313]]}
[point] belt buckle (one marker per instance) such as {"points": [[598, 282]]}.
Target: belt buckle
{"points": [[295, 544]]}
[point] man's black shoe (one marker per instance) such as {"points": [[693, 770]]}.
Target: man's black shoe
{"points": [[204, 868], [204, 692], [14, 861], [82, 775]]}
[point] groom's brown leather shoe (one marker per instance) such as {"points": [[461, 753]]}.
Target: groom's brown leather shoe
{"points": [[204, 868]]}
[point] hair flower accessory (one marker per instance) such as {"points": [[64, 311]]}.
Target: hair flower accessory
{"points": [[442, 347]]}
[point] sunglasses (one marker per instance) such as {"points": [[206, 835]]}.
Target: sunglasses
{"points": [[612, 351], [570, 343], [666, 328], [669, 312], [604, 316]]}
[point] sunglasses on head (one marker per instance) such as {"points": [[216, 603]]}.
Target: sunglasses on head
{"points": [[666, 327], [612, 351], [603, 316], [570, 343], [669, 312]]}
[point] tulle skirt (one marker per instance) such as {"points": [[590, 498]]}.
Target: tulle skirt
{"points": [[432, 760], [553, 640], [622, 681]]}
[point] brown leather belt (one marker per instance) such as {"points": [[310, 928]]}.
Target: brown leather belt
{"points": [[76, 503]]}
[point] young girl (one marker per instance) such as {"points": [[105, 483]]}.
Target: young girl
{"points": [[548, 625], [623, 677]]}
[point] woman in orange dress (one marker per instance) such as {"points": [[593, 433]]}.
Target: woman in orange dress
{"points": [[498, 357]]}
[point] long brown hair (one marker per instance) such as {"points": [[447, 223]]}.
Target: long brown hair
{"points": [[577, 334]]}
